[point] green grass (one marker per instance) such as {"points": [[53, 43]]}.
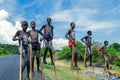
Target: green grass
{"points": [[65, 73], [2, 55]]}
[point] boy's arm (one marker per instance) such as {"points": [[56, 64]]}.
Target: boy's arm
{"points": [[101, 50], [82, 39], [41, 30], [66, 36], [15, 36], [52, 31]]}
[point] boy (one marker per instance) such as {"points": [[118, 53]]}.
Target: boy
{"points": [[35, 45], [70, 35], [23, 35], [48, 37], [87, 40], [103, 51]]}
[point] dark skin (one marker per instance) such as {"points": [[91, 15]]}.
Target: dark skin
{"points": [[104, 48], [34, 33], [48, 25], [103, 51], [70, 37], [87, 40], [34, 38], [19, 36]]}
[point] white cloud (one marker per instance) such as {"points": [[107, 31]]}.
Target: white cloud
{"points": [[7, 29], [83, 19], [3, 14], [73, 14], [58, 43]]}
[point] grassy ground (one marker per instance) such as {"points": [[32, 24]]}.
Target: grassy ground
{"points": [[2, 55], [64, 72]]}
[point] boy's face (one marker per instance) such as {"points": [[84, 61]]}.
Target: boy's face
{"points": [[33, 24], [90, 33], [73, 25], [106, 43], [49, 20], [24, 25]]}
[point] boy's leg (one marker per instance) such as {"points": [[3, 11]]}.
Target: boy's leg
{"points": [[75, 59], [38, 60], [45, 52], [75, 56], [33, 52], [90, 55], [87, 57], [24, 59], [51, 54], [106, 62], [28, 61]]}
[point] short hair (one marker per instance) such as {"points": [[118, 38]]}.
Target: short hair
{"points": [[24, 23], [89, 32], [105, 42], [49, 18], [72, 23], [32, 22]]}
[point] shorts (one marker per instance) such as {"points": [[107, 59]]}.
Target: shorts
{"points": [[70, 43], [105, 56], [35, 45], [25, 53], [48, 44]]}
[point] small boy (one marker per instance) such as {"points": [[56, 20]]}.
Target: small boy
{"points": [[23, 35], [87, 40], [34, 34], [48, 37], [70, 35], [103, 51]]}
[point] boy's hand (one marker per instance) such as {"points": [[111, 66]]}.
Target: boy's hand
{"points": [[20, 38], [41, 39]]}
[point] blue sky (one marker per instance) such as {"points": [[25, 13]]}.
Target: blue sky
{"points": [[100, 16]]}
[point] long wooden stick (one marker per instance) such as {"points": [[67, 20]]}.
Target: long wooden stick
{"points": [[30, 61], [72, 61], [55, 69], [20, 74], [85, 55], [55, 72], [42, 64]]}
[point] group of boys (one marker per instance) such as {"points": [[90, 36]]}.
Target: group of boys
{"points": [[87, 40], [32, 37], [47, 34]]}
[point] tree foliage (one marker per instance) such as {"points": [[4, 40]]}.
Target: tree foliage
{"points": [[113, 52]]}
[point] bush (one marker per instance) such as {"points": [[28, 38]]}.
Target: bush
{"points": [[3, 51]]}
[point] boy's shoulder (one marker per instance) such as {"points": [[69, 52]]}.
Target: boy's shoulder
{"points": [[19, 31]]}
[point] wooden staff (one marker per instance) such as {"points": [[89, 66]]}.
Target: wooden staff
{"points": [[72, 60], [20, 74], [30, 61], [42, 64], [85, 55], [55, 71]]}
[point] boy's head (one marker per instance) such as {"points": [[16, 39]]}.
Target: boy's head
{"points": [[48, 20], [24, 25], [106, 43], [89, 32], [32, 24], [72, 24]]}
